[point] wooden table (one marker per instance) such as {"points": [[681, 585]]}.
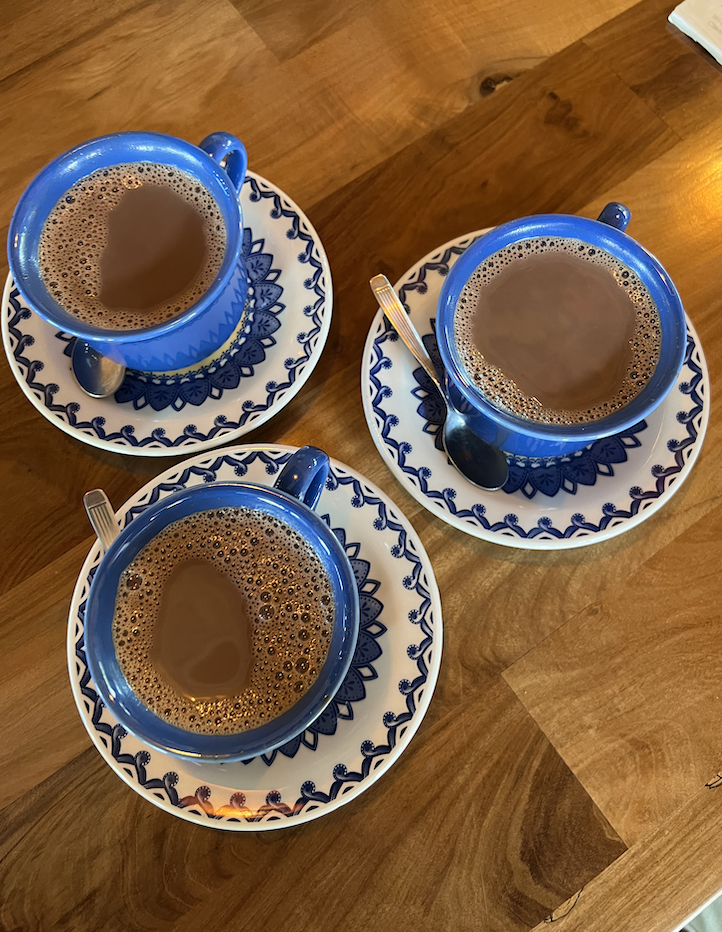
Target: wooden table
{"points": [[573, 740]]}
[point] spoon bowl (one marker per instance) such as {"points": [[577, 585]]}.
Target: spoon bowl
{"points": [[481, 463], [97, 375]]}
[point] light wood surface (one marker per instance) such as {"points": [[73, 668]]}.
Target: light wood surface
{"points": [[573, 740]]}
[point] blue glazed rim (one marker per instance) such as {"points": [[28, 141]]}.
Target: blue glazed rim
{"points": [[597, 234], [105, 670], [49, 185]]}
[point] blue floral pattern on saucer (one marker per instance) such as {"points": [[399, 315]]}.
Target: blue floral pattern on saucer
{"points": [[546, 504], [391, 679], [526, 475], [266, 364]]}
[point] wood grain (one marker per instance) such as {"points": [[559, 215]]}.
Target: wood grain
{"points": [[471, 812], [576, 713], [631, 728], [127, 75], [32, 665], [671, 75], [32, 31], [615, 730], [544, 143], [319, 93], [653, 884]]}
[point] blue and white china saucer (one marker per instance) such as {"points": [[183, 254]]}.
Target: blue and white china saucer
{"points": [[373, 716], [259, 370], [550, 504]]}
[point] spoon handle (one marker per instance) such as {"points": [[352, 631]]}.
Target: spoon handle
{"points": [[101, 517], [392, 307]]}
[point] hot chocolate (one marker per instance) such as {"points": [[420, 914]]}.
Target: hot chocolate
{"points": [[223, 620], [132, 246], [557, 331]]}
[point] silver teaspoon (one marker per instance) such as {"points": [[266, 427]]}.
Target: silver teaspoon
{"points": [[482, 464], [97, 375], [100, 514]]}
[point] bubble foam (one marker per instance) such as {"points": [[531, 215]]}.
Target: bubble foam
{"points": [[503, 391], [290, 603], [76, 233]]}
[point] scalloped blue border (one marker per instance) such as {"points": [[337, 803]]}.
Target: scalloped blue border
{"points": [[314, 283], [476, 515], [135, 765]]}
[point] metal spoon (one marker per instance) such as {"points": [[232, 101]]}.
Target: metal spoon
{"points": [[97, 375], [100, 514], [482, 464]]}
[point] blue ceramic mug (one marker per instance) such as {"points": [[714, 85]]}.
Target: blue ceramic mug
{"points": [[205, 325], [291, 500], [519, 436]]}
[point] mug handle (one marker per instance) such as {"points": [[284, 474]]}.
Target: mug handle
{"points": [[222, 146], [304, 475], [616, 215]]}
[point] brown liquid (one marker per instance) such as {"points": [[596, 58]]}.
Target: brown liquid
{"points": [[557, 331], [223, 621], [155, 249], [196, 596], [132, 246]]}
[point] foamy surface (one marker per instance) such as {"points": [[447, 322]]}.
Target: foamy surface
{"points": [[503, 391], [76, 233], [289, 600]]}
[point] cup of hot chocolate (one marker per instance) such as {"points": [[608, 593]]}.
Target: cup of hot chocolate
{"points": [[222, 620], [557, 330], [132, 242]]}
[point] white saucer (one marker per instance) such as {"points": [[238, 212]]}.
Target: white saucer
{"points": [[553, 504], [255, 376], [372, 717]]}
